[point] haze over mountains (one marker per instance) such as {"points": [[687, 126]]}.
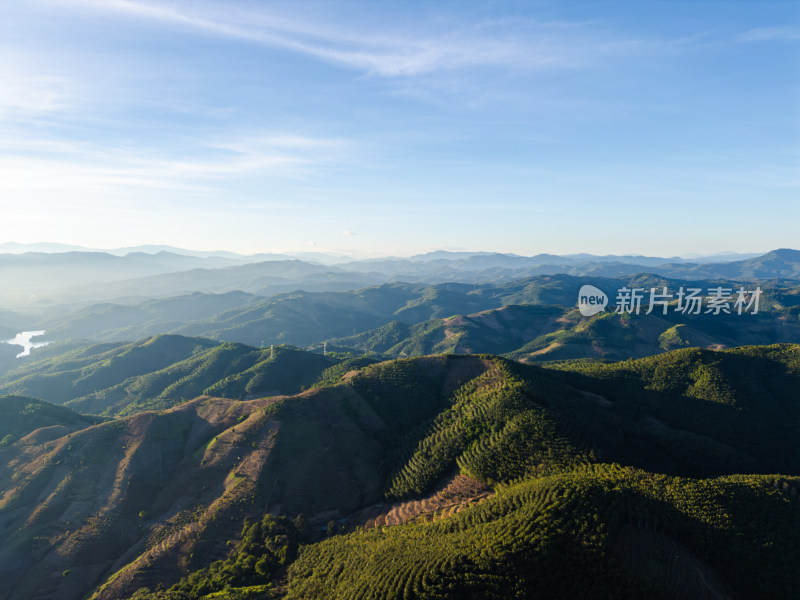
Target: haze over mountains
{"points": [[38, 279], [305, 304], [329, 257], [443, 426]]}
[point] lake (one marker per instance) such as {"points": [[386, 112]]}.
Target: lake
{"points": [[24, 339]]}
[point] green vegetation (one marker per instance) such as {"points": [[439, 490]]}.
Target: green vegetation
{"points": [[491, 331], [546, 333], [123, 379], [604, 532], [21, 415], [600, 532], [690, 412], [658, 477], [385, 318], [494, 430], [83, 371], [332, 375], [265, 547], [672, 338], [711, 412], [613, 337]]}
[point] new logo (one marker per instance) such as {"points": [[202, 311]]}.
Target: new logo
{"points": [[591, 300]]}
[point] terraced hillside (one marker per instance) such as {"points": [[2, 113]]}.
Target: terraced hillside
{"points": [[603, 532], [578, 470]]}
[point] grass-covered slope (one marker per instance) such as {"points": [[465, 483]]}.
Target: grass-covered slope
{"points": [[495, 331], [614, 337], [304, 318], [155, 491], [228, 370], [690, 412], [742, 401]]}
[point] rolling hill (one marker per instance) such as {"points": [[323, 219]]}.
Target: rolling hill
{"points": [[532, 320], [663, 476], [542, 333], [159, 372], [22, 415], [303, 318], [299, 318], [114, 321]]}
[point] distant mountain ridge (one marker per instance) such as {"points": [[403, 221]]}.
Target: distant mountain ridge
{"points": [[329, 258], [75, 277]]}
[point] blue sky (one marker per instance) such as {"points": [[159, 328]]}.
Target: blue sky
{"points": [[660, 128]]}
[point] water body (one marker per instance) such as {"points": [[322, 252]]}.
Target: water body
{"points": [[24, 339]]}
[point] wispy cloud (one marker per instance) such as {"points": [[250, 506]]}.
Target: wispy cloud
{"points": [[27, 165], [25, 90], [394, 52], [765, 34]]}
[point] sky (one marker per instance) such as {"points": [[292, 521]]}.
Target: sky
{"points": [[377, 128]]}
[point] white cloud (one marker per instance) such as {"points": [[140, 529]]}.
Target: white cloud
{"points": [[284, 143]]}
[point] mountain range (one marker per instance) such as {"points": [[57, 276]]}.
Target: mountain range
{"points": [[531, 319], [41, 279], [439, 427]]}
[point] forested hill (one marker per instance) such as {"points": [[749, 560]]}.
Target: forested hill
{"points": [[433, 477]]}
